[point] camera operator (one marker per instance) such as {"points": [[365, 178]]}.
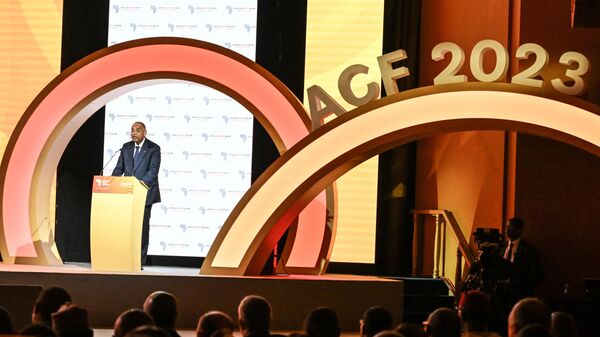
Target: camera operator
{"points": [[490, 274]]}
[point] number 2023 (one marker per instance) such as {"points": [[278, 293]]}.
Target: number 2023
{"points": [[525, 77]]}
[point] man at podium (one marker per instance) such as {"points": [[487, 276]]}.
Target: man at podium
{"points": [[141, 158]]}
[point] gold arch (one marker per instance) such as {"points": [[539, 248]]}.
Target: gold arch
{"points": [[258, 220]]}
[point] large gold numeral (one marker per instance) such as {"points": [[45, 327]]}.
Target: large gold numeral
{"points": [[583, 65], [527, 76], [476, 61], [448, 75]]}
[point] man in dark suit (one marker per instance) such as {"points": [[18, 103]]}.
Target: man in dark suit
{"points": [[141, 158], [526, 268]]}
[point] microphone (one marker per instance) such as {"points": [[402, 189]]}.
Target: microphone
{"points": [[108, 162]]}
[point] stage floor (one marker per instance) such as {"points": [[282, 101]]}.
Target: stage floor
{"points": [[106, 294]]}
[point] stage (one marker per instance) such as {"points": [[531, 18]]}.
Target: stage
{"points": [[105, 295]]}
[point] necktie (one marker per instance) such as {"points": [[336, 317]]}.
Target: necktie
{"points": [[508, 255], [136, 156]]}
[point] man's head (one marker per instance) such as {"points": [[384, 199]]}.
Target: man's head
{"points": [[322, 322], [254, 314], [71, 320], [514, 228], [443, 322], [563, 324], [528, 311], [162, 306], [212, 322], [138, 132], [475, 309], [130, 320], [374, 320], [48, 302]]}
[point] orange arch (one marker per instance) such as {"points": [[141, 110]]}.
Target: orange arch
{"points": [[62, 107], [326, 154]]}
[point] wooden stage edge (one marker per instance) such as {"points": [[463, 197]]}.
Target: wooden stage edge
{"points": [[105, 295]]}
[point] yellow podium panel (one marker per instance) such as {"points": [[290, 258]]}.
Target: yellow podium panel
{"points": [[116, 223]]}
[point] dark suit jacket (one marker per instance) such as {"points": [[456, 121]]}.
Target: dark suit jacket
{"points": [[526, 270], [146, 170]]}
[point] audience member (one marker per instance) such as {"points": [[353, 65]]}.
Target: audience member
{"points": [[374, 320], [322, 322], [214, 321], [254, 316], [48, 302], [71, 321], [563, 325], [162, 306], [129, 320], [411, 330], [534, 330], [148, 331], [6, 322], [528, 311], [443, 322], [38, 329], [475, 310]]}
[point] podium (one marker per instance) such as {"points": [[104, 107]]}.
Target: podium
{"points": [[116, 223]]}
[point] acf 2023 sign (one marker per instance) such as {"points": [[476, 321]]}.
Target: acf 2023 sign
{"points": [[293, 186]]}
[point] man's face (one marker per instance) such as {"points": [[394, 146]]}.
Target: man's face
{"points": [[513, 232], [138, 133]]}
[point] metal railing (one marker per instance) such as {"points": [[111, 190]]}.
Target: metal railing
{"points": [[443, 218]]}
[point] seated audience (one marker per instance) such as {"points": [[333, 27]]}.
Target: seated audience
{"points": [[443, 322], [563, 325], [527, 311], [534, 330], [254, 316], [475, 309], [162, 306], [129, 320], [38, 329], [48, 302], [71, 321], [411, 330], [322, 322], [214, 321], [6, 322], [374, 320]]}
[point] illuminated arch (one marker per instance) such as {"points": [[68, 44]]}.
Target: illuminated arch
{"points": [[54, 116], [319, 159]]}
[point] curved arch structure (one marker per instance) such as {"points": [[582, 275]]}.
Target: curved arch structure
{"points": [[319, 159], [52, 119]]}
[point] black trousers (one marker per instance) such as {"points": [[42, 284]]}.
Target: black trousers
{"points": [[146, 233]]}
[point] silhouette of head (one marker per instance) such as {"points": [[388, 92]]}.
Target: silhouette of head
{"points": [[254, 314], [71, 320], [443, 322], [563, 325], [6, 322], [162, 306], [528, 311], [130, 320], [475, 309], [48, 302], [374, 320], [214, 321], [322, 322]]}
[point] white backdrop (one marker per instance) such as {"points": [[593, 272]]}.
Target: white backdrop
{"points": [[205, 136]]}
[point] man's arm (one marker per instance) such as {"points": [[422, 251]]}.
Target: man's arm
{"points": [[151, 176], [120, 167]]}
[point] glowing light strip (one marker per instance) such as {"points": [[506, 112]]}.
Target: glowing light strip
{"points": [[337, 147]]}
